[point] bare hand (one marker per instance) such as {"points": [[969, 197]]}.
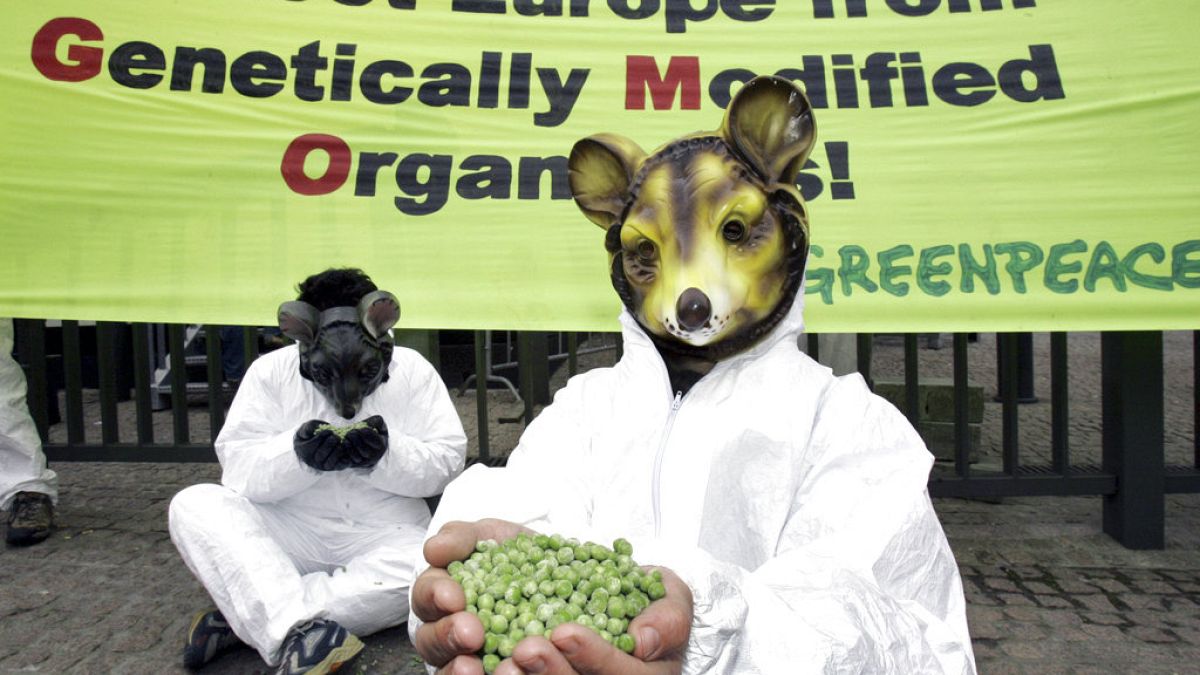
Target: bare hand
{"points": [[450, 635], [661, 633]]}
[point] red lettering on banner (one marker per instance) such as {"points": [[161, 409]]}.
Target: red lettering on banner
{"points": [[683, 75], [84, 61], [298, 150]]}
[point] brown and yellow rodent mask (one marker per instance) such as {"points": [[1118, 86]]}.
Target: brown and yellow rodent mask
{"points": [[708, 236]]}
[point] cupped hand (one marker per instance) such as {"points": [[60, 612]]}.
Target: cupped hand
{"points": [[363, 448], [450, 635], [318, 449], [661, 632]]}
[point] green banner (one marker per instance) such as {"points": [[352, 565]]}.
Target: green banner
{"points": [[980, 164]]}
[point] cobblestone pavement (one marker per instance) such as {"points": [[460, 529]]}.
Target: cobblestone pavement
{"points": [[1047, 592]]}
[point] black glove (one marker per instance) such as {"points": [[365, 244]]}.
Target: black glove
{"points": [[319, 449], [365, 447]]}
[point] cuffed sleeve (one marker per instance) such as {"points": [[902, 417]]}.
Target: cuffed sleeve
{"points": [[426, 443], [257, 458]]}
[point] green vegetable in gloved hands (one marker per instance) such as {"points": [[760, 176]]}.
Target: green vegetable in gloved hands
{"points": [[530, 584], [341, 432]]}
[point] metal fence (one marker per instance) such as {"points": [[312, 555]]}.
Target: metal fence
{"points": [[155, 367]]}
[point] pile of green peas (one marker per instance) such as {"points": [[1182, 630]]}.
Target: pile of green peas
{"points": [[341, 432], [530, 584]]}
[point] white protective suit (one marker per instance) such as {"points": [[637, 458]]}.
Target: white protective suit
{"points": [[280, 543], [22, 463], [791, 502]]}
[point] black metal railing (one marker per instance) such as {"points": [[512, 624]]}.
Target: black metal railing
{"points": [[172, 390]]}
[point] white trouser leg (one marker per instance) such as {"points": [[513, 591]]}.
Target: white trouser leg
{"points": [[22, 464], [370, 593], [233, 551]]}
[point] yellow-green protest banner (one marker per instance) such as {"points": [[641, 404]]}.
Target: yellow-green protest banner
{"points": [[981, 164]]}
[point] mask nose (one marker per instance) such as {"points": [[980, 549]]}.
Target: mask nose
{"points": [[693, 309], [346, 398]]}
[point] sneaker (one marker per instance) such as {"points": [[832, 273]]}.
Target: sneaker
{"points": [[209, 637], [30, 518], [318, 647]]}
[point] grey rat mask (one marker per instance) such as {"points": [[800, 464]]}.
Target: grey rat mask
{"points": [[344, 351]]}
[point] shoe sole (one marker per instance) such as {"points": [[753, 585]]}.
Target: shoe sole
{"points": [[191, 634], [196, 622], [26, 537], [338, 657]]}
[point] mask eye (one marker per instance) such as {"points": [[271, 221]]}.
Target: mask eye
{"points": [[734, 231], [320, 375], [645, 250]]}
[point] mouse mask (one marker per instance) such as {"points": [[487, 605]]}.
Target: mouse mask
{"points": [[344, 351], [707, 236]]}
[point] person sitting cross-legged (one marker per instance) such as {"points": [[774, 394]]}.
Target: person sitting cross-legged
{"points": [[329, 448]]}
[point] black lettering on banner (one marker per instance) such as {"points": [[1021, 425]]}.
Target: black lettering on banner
{"points": [[914, 7], [845, 83], [478, 6], [489, 80], [136, 56], [1042, 66], [825, 9], [644, 8], [562, 95], [960, 83], [913, 76], [810, 185], [395, 4], [369, 164], [680, 12], [518, 80], [184, 68], [492, 178], [371, 83], [720, 88], [812, 76], [343, 73], [964, 83], [549, 7], [435, 187], [748, 10], [452, 85], [307, 62], [532, 169], [252, 66]]}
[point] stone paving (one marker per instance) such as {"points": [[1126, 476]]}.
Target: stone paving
{"points": [[1047, 592]]}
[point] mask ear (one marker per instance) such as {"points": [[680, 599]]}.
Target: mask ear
{"points": [[298, 321], [601, 170], [378, 312], [770, 122]]}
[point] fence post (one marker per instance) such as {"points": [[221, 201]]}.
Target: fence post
{"points": [[533, 359], [1132, 383], [424, 342], [30, 337]]}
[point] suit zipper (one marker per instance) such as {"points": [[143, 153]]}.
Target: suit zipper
{"points": [[655, 495]]}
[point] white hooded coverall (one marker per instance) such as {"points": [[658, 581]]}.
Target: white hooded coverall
{"points": [[793, 504], [279, 543], [22, 463]]}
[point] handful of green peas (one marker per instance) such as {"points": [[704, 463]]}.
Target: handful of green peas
{"points": [[530, 584], [341, 432]]}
